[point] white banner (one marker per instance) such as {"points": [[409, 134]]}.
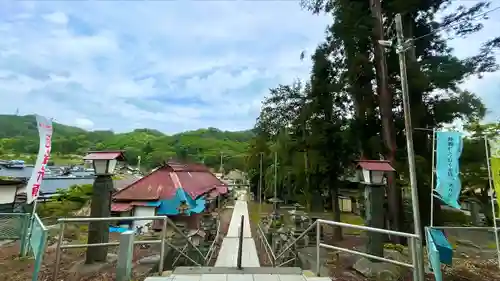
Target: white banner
{"points": [[45, 132]]}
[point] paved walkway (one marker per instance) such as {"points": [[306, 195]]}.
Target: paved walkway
{"points": [[228, 254], [225, 266]]}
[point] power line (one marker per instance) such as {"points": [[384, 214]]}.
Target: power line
{"points": [[453, 24]]}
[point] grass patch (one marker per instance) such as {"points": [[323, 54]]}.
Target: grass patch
{"points": [[58, 208], [491, 245]]}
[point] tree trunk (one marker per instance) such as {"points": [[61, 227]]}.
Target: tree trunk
{"points": [[337, 231], [388, 131]]}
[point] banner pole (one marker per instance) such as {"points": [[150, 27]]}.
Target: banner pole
{"points": [[492, 199], [433, 170]]}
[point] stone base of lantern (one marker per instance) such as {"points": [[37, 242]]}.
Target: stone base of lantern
{"points": [[374, 203]]}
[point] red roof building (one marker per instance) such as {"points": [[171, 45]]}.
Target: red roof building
{"points": [[195, 179]]}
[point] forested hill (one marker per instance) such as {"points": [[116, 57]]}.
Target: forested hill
{"points": [[19, 138]]}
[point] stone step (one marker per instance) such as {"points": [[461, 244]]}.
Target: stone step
{"points": [[237, 277]]}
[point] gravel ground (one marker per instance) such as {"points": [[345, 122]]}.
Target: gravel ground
{"points": [[13, 268]]}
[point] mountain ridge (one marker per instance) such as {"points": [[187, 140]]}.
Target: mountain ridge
{"points": [[19, 137]]}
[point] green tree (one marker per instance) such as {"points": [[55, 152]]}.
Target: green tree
{"points": [[434, 74]]}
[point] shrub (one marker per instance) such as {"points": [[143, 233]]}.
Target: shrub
{"points": [[57, 208]]}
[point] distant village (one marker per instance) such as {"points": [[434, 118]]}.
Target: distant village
{"points": [[14, 175]]}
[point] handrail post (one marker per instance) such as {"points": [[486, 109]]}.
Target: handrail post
{"points": [[240, 247], [125, 254], [162, 245], [416, 275], [58, 251], [318, 241]]}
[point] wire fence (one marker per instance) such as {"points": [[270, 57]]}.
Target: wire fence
{"points": [[13, 225]]}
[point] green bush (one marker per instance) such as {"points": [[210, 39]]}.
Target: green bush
{"points": [[57, 208], [76, 193]]}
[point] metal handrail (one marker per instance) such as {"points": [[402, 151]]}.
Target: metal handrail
{"points": [[240, 243], [212, 246], [40, 223], [267, 246], [162, 241], [304, 233], [412, 239]]}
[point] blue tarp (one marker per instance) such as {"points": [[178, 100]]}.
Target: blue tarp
{"points": [[170, 206], [442, 245], [117, 229], [153, 204]]}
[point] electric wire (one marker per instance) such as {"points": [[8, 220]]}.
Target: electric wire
{"points": [[454, 24]]}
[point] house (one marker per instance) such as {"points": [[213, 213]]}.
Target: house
{"points": [[236, 176], [10, 191], [174, 189]]}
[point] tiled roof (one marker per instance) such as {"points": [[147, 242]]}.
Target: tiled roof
{"points": [[104, 155], [150, 187], [120, 207], [187, 167], [162, 183], [376, 165]]}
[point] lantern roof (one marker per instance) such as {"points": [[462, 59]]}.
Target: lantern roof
{"points": [[375, 165], [105, 155]]}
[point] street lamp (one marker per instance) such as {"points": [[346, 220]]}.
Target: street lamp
{"points": [[372, 174], [104, 163]]}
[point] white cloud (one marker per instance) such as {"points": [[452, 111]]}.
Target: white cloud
{"points": [[84, 123], [56, 17], [168, 65]]}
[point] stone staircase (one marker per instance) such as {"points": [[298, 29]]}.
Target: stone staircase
{"points": [[233, 274]]}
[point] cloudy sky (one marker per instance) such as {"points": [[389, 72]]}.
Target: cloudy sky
{"points": [[168, 65]]}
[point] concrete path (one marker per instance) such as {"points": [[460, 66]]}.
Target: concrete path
{"points": [[228, 254], [225, 266], [238, 277]]}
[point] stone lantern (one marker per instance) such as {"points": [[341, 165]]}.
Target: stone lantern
{"points": [[104, 163], [372, 174]]}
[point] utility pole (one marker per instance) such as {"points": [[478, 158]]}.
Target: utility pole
{"points": [[221, 164], [401, 50], [275, 179], [260, 182]]}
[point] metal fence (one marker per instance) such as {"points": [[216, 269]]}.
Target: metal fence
{"points": [[163, 241], [13, 226], [31, 233], [37, 243], [275, 258]]}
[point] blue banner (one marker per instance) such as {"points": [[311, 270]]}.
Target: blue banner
{"points": [[433, 254], [448, 150]]}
